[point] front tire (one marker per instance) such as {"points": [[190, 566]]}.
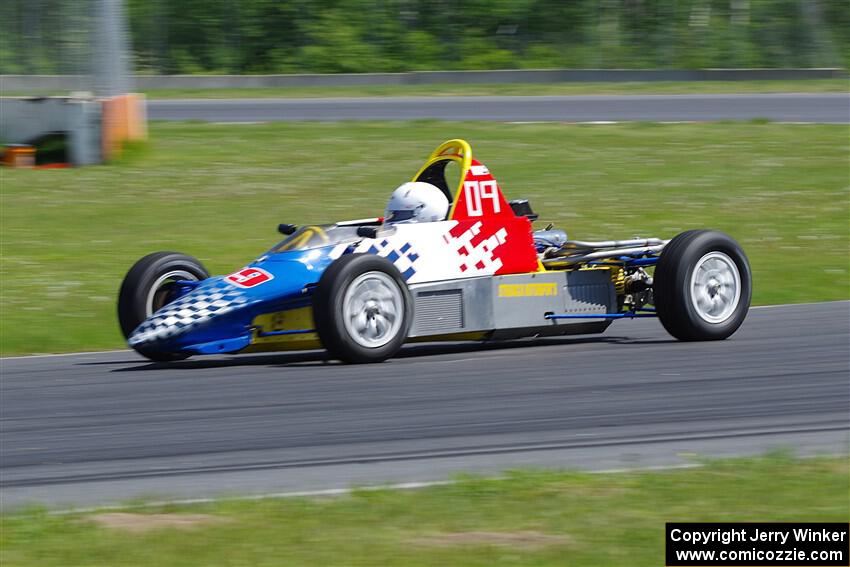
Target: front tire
{"points": [[702, 286], [362, 309], [149, 286]]}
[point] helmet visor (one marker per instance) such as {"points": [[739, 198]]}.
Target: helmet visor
{"points": [[400, 216]]}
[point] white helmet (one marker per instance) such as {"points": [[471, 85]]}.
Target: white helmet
{"points": [[416, 201]]}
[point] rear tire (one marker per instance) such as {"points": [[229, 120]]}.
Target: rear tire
{"points": [[362, 309], [148, 286], [702, 286]]}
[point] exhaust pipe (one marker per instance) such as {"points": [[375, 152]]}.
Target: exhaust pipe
{"points": [[586, 245], [564, 256]]}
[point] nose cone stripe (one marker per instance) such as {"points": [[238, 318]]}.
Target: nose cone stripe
{"points": [[211, 298]]}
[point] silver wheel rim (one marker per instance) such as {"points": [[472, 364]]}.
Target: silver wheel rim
{"points": [[715, 287], [168, 277], [373, 309]]}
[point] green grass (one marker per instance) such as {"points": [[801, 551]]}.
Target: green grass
{"points": [[610, 519], [218, 192], [654, 87], [505, 89]]}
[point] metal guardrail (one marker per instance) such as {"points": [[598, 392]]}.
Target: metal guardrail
{"points": [[34, 83]]}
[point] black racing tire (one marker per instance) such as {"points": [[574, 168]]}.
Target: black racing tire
{"points": [[702, 286], [146, 288], [362, 284]]}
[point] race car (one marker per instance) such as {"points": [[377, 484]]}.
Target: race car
{"points": [[445, 263]]}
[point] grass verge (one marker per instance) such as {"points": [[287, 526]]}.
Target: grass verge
{"points": [[504, 89], [218, 192], [517, 89], [528, 518]]}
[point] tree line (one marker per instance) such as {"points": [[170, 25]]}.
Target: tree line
{"points": [[351, 36]]}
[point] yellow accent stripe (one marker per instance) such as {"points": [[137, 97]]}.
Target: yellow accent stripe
{"points": [[289, 320]]}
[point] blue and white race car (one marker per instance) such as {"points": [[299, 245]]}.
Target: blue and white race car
{"points": [[443, 263]]}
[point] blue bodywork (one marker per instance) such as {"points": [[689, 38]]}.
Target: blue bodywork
{"points": [[215, 315]]}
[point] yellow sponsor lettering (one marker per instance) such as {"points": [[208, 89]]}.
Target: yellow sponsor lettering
{"points": [[528, 289]]}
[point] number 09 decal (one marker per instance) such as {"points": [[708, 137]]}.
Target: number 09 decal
{"points": [[476, 194], [249, 277]]}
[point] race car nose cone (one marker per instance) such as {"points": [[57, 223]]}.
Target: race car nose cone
{"points": [[212, 298]]}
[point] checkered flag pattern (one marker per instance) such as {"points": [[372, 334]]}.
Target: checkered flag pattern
{"points": [[211, 297], [402, 257]]}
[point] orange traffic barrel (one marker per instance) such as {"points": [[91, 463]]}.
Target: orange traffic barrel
{"points": [[19, 155]]}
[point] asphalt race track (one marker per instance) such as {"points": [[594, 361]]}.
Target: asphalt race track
{"points": [[826, 108], [101, 428]]}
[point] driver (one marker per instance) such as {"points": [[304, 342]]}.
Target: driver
{"points": [[416, 201]]}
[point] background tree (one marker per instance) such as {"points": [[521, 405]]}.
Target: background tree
{"points": [[335, 36]]}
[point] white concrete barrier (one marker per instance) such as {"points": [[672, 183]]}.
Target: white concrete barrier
{"points": [[25, 119]]}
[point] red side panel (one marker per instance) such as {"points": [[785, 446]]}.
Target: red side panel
{"points": [[488, 228], [480, 196]]}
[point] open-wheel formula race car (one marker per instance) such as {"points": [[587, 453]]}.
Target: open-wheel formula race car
{"points": [[477, 271]]}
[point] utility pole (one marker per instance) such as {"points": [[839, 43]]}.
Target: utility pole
{"points": [[111, 64]]}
